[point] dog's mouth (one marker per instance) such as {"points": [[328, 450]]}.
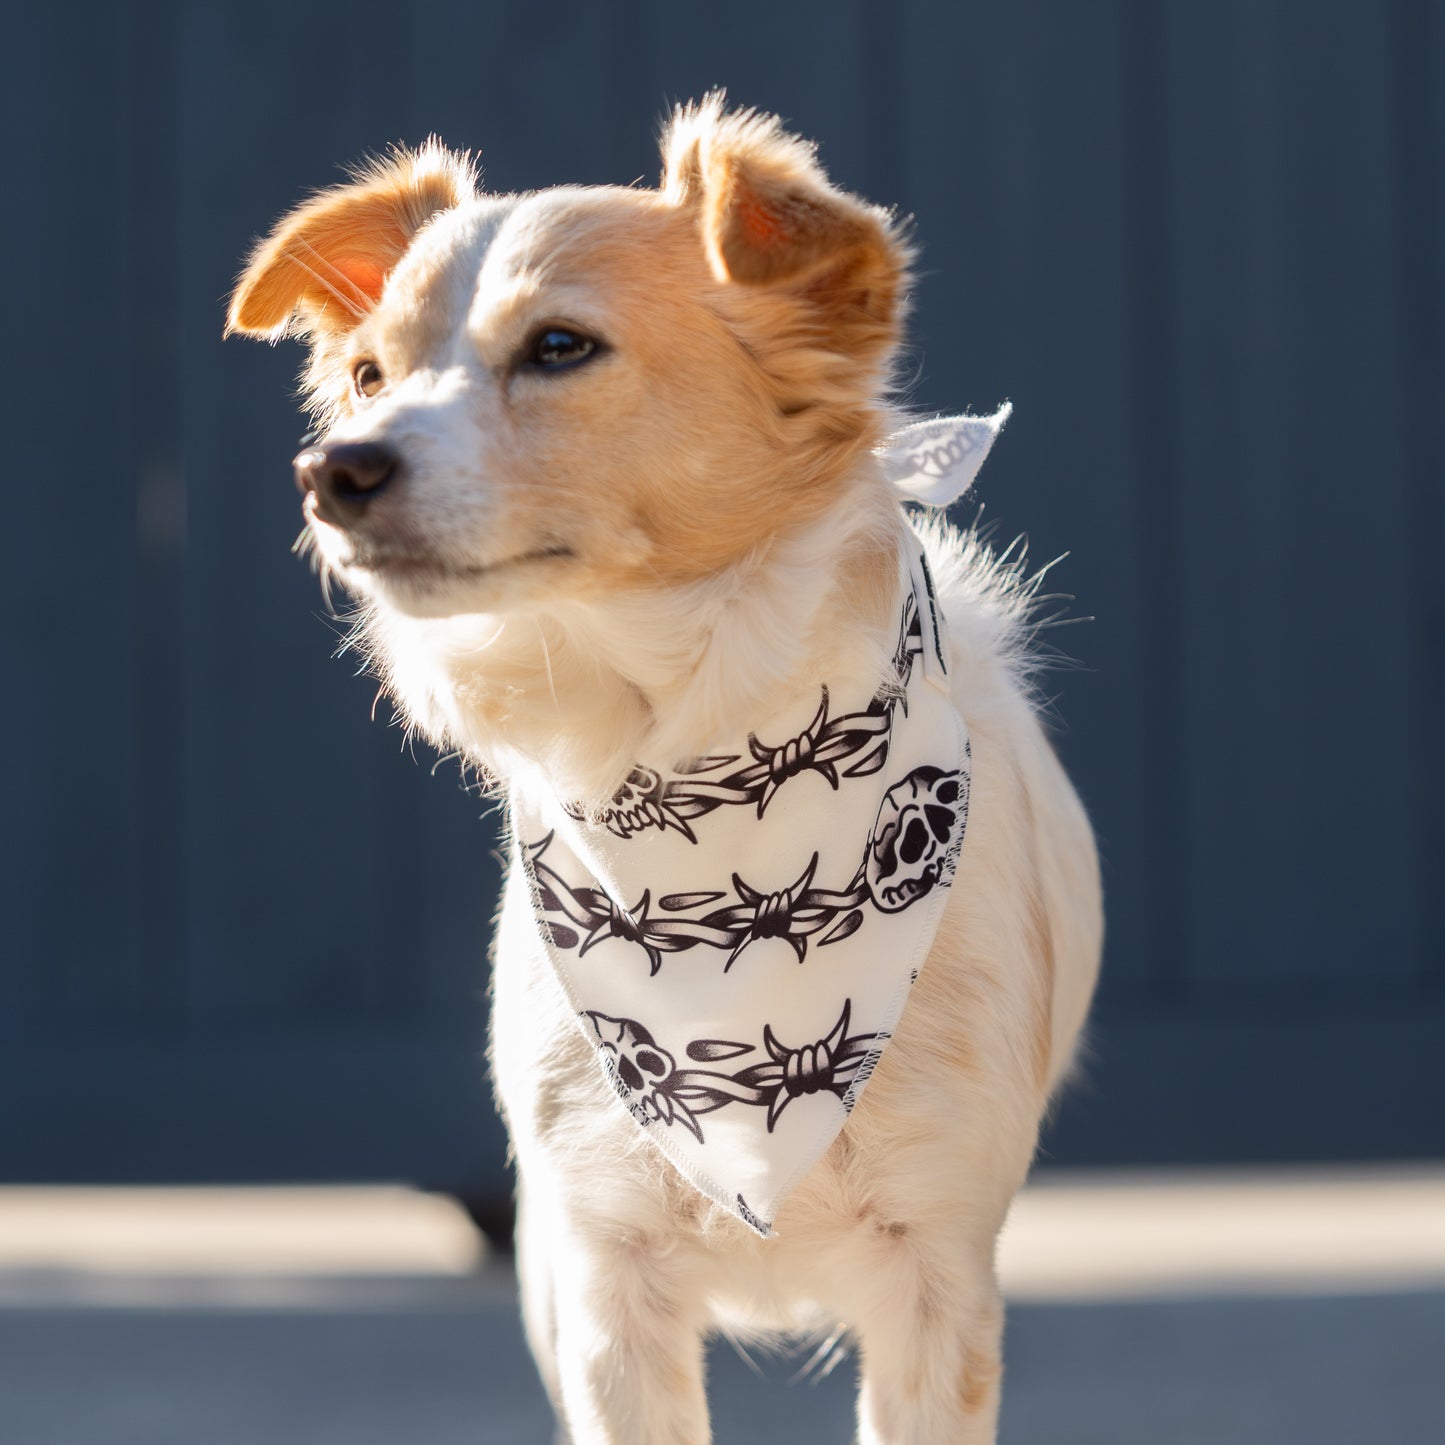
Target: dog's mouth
{"points": [[423, 568]]}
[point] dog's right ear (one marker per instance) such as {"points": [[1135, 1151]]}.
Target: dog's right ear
{"points": [[771, 221], [324, 266]]}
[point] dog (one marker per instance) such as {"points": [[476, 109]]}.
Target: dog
{"points": [[605, 470]]}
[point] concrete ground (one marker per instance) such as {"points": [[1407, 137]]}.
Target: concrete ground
{"points": [[1145, 1310]]}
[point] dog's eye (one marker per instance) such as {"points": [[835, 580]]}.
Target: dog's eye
{"points": [[367, 378], [557, 348]]}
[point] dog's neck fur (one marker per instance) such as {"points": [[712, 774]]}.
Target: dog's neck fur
{"points": [[585, 690]]}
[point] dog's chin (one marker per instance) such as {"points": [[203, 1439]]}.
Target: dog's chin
{"points": [[437, 587]]}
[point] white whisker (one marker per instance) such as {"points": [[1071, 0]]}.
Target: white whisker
{"points": [[547, 662], [356, 311], [366, 301]]}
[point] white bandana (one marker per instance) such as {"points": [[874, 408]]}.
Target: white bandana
{"points": [[737, 938], [935, 462]]}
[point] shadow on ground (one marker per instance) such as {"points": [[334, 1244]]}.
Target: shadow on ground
{"points": [[449, 1368]]}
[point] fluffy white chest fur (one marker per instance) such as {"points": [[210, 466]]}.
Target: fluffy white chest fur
{"points": [[600, 467]]}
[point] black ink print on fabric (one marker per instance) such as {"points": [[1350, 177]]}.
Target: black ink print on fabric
{"points": [[913, 848], [916, 839], [853, 745], [747, 1216], [640, 803], [657, 1091], [794, 914], [937, 631]]}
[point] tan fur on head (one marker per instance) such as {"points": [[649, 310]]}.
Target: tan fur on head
{"points": [[747, 312], [325, 265], [770, 219]]}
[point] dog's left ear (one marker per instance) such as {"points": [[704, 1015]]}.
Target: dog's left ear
{"points": [[323, 267], [770, 219]]}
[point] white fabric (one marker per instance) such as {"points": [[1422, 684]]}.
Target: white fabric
{"points": [[935, 462], [737, 939]]}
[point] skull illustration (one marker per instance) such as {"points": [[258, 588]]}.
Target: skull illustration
{"points": [[914, 842], [634, 805], [631, 1051], [639, 804]]}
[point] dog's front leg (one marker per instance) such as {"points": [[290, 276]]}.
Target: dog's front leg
{"points": [[930, 1348], [539, 1310], [629, 1340]]}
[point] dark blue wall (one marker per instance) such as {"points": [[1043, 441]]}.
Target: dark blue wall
{"points": [[1199, 247]]}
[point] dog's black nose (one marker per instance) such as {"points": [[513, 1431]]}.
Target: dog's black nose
{"points": [[345, 477]]}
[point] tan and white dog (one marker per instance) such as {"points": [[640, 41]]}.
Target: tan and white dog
{"points": [[599, 466]]}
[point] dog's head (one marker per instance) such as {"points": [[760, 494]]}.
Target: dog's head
{"points": [[557, 395]]}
